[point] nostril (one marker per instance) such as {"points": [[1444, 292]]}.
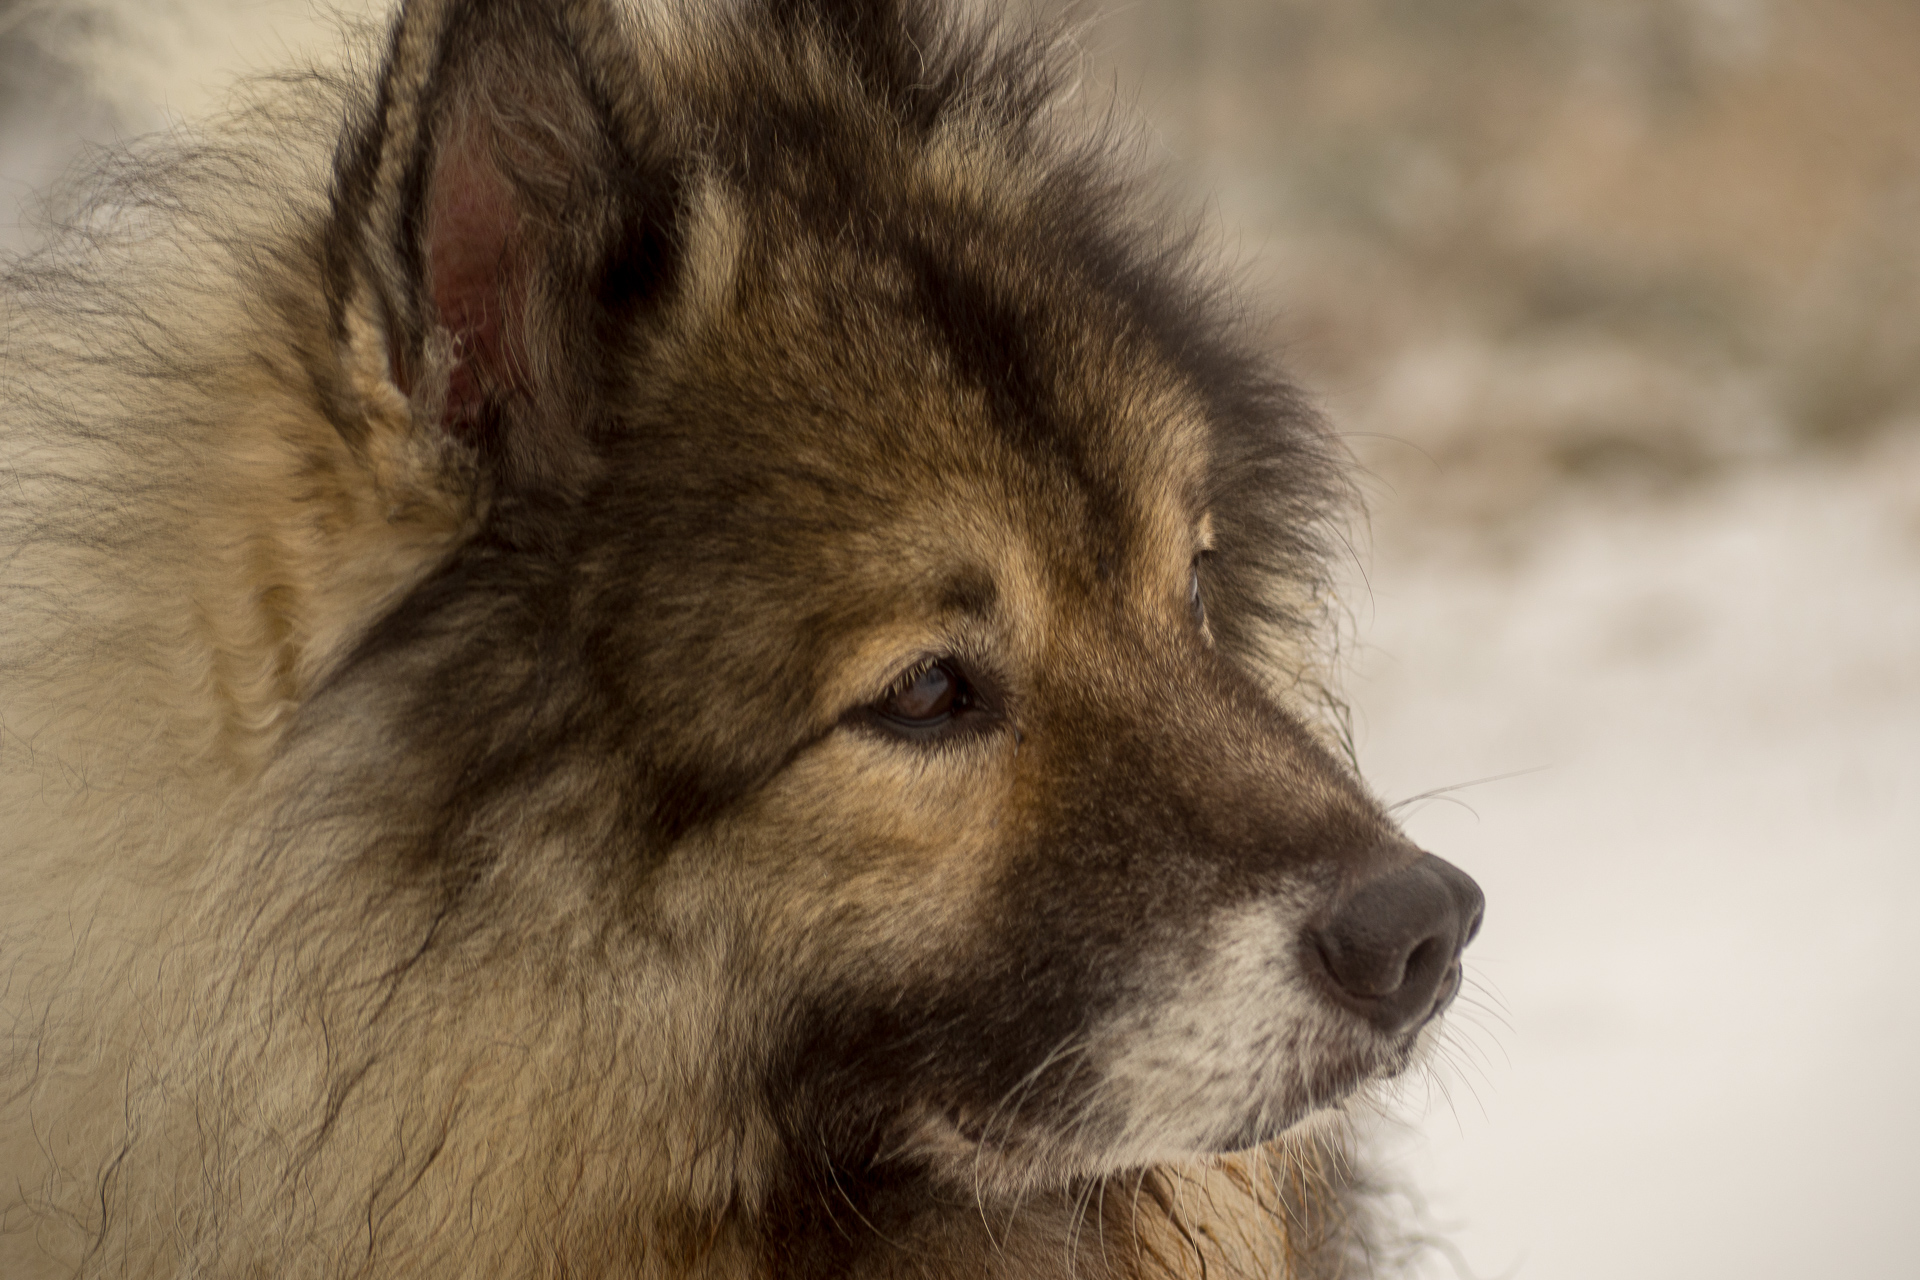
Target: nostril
{"points": [[1432, 955], [1392, 947]]}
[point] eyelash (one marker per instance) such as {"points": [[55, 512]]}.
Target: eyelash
{"points": [[1196, 600], [962, 704]]}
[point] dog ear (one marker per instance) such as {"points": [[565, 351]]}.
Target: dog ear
{"points": [[496, 217]]}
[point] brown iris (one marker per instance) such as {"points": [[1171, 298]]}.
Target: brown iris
{"points": [[928, 697]]}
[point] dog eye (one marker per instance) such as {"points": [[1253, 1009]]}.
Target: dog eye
{"points": [[928, 698]]}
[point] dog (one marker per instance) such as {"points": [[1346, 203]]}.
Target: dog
{"points": [[674, 641]]}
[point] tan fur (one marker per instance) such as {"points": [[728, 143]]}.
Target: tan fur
{"points": [[235, 1040]]}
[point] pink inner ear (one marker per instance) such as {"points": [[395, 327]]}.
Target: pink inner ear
{"points": [[471, 226]]}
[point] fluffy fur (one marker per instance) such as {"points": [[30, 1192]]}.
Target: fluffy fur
{"points": [[470, 525]]}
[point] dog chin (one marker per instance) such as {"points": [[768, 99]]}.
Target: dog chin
{"points": [[990, 1154], [988, 1148], [1323, 1102]]}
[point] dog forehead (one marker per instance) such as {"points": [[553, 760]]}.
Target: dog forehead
{"points": [[951, 374]]}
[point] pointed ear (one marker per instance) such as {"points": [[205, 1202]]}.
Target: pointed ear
{"points": [[482, 203]]}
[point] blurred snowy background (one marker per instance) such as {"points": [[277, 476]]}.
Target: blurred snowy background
{"points": [[1618, 301]]}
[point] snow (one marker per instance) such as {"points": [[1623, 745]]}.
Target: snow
{"points": [[1696, 1034]]}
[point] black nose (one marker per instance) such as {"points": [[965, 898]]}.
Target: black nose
{"points": [[1393, 946]]}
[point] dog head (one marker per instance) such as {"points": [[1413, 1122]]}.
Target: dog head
{"points": [[885, 575]]}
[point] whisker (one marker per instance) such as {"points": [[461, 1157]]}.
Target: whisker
{"points": [[1442, 792]]}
